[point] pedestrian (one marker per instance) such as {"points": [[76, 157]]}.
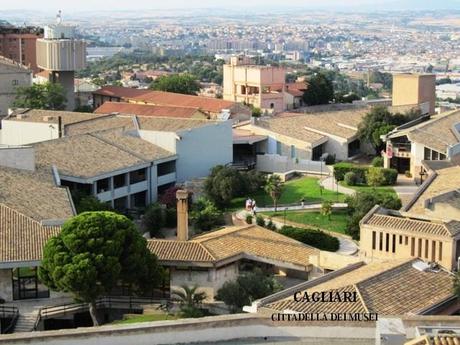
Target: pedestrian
{"points": [[302, 202], [248, 204], [254, 208]]}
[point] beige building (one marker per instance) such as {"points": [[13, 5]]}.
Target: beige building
{"points": [[394, 235], [260, 86], [415, 89], [435, 138], [12, 76]]}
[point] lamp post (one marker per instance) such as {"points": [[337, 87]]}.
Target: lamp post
{"points": [[422, 173]]}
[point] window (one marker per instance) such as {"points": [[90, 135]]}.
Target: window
{"points": [[426, 248], [419, 251], [139, 199], [272, 105], [120, 204], [387, 242], [293, 153], [442, 157], [440, 251], [427, 154], [138, 176], [400, 239], [406, 240], [412, 246], [381, 241], [26, 284], [373, 239], [434, 155], [166, 168], [102, 185], [15, 82], [393, 244], [278, 148], [119, 181], [433, 250]]}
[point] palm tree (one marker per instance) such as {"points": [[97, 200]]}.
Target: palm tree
{"points": [[190, 300], [326, 209], [274, 187]]}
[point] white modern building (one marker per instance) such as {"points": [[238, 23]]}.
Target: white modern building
{"points": [[12, 76]]}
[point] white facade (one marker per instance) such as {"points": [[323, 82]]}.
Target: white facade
{"points": [[198, 149], [24, 132]]}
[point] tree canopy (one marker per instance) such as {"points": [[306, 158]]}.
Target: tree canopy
{"points": [[178, 83], [94, 252], [48, 96], [320, 90]]}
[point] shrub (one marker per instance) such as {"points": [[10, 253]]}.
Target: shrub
{"points": [[351, 179], [260, 221], [377, 162], [315, 238], [390, 176], [170, 217], [206, 216], [330, 159], [168, 198], [249, 219], [407, 173], [270, 225], [340, 169], [154, 219], [375, 177]]}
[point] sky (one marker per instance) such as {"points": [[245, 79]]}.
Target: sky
{"points": [[83, 5]]}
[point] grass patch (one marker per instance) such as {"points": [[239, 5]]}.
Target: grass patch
{"points": [[366, 188], [314, 219], [293, 191], [134, 318]]}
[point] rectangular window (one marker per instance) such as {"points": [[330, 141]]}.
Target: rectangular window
{"points": [[412, 246], [393, 244], [166, 168], [440, 251], [278, 148], [419, 249], [293, 154], [387, 242], [433, 250], [26, 284], [119, 181], [373, 239], [102, 185], [426, 248], [442, 157], [406, 240], [434, 155], [15, 82], [381, 241], [138, 176], [121, 204], [400, 239], [427, 154]]}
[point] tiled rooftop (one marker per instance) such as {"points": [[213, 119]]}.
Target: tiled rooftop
{"points": [[51, 116], [166, 124], [150, 110], [21, 237], [34, 194]]}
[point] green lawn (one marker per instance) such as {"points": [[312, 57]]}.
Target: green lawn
{"points": [[294, 190], [133, 318], [365, 188], [338, 222]]}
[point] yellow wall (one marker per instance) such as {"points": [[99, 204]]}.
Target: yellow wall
{"points": [[412, 89]]}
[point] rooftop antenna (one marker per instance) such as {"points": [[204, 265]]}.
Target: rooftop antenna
{"points": [[59, 17]]}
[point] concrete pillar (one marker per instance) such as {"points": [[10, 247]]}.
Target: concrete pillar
{"points": [[182, 215]]}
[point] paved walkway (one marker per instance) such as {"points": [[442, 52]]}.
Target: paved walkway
{"points": [[347, 246], [405, 188], [330, 184]]}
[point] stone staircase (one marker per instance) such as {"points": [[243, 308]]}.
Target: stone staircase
{"points": [[26, 322]]}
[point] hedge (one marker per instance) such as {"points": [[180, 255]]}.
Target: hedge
{"points": [[315, 238], [340, 169]]}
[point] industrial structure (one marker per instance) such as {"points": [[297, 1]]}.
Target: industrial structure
{"points": [[60, 53]]}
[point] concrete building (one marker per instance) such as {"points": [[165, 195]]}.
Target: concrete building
{"points": [[62, 54], [306, 136], [260, 86], [427, 138], [19, 45], [186, 138], [415, 89], [12, 76]]}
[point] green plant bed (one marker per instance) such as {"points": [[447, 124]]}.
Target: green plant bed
{"points": [[133, 318], [314, 219], [366, 188], [307, 188]]}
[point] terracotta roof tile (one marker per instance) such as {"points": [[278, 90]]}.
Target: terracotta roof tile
{"points": [[120, 91], [167, 250]]}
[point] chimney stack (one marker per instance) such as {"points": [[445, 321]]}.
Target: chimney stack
{"points": [[182, 215]]}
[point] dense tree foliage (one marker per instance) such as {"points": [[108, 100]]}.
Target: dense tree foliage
{"points": [[315, 238], [48, 96], [274, 188], [361, 203], [95, 252], [320, 90], [205, 215], [177, 83], [247, 288]]}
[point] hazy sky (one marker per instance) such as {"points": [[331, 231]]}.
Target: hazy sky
{"points": [[70, 5]]}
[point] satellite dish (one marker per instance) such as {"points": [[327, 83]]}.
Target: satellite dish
{"points": [[59, 17]]}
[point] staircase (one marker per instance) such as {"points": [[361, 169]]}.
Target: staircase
{"points": [[26, 322]]}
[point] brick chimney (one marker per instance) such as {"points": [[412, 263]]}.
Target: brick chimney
{"points": [[182, 215]]}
